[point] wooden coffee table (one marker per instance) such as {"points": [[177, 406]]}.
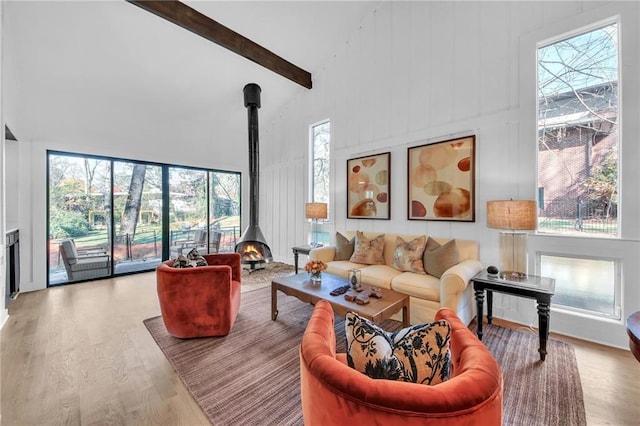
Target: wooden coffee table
{"points": [[376, 310]]}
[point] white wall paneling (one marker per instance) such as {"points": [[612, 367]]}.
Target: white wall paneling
{"points": [[419, 72]]}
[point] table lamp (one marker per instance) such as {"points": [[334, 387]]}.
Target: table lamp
{"points": [[515, 216], [315, 211]]}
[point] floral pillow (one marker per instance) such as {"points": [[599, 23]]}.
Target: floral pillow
{"points": [[344, 247], [438, 258], [418, 354], [407, 256], [368, 251]]}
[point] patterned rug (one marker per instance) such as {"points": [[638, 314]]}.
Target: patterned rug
{"points": [[251, 376]]}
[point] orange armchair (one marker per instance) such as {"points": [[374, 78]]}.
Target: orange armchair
{"points": [[202, 301], [335, 394]]}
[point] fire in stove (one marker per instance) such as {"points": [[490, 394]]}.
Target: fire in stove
{"points": [[251, 253], [254, 253]]}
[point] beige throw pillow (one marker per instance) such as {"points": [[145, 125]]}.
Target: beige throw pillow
{"points": [[407, 256], [438, 258], [344, 247], [368, 251]]}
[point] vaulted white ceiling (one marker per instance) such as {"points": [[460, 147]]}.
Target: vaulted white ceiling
{"points": [[108, 69]]}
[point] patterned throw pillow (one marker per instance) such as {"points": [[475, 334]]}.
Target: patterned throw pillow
{"points": [[344, 247], [368, 252], [408, 255], [191, 260], [418, 354], [438, 258]]}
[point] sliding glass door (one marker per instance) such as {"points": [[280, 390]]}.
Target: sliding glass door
{"points": [[188, 213], [224, 209], [79, 237], [110, 216], [137, 216]]}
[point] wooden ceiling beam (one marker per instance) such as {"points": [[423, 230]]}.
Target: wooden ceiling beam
{"points": [[194, 21]]}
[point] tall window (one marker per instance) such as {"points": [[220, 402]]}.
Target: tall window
{"points": [[320, 143], [578, 133], [578, 152]]}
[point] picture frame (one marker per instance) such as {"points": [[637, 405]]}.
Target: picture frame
{"points": [[441, 180], [369, 187]]}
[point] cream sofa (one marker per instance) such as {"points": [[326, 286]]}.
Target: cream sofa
{"points": [[427, 293]]}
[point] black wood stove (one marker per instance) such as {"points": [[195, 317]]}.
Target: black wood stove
{"points": [[252, 245]]}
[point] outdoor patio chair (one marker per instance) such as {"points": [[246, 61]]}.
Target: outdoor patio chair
{"points": [[84, 265], [199, 242], [214, 241]]}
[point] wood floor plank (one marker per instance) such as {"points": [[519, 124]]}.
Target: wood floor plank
{"points": [[80, 355]]}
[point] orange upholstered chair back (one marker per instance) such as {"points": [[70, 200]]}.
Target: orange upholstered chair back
{"points": [[201, 301], [335, 394]]}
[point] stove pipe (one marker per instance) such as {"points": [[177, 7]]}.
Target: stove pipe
{"points": [[253, 232], [252, 103]]}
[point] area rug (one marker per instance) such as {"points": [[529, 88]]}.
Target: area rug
{"points": [[259, 278], [251, 376]]}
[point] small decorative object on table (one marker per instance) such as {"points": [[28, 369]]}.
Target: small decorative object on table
{"points": [[315, 268], [361, 298], [493, 271], [340, 290], [355, 279]]}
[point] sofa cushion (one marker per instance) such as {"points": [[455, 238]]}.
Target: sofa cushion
{"points": [[368, 251], [378, 275], [417, 285], [407, 256], [344, 247], [438, 258], [341, 267], [418, 354]]}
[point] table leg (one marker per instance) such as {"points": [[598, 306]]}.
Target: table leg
{"points": [[295, 260], [406, 321], [543, 327], [489, 306], [479, 304], [274, 302]]}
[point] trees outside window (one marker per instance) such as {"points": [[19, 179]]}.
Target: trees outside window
{"points": [[578, 133], [320, 144], [117, 207], [320, 162]]}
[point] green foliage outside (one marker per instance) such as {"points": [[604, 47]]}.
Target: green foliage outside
{"points": [[602, 186], [68, 224]]}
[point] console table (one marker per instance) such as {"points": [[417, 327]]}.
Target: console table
{"points": [[533, 287], [299, 250]]}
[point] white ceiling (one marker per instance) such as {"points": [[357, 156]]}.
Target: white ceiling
{"points": [[87, 68]]}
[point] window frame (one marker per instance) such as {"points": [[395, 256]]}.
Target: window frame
{"points": [[626, 248], [312, 160], [565, 35], [617, 286], [166, 168]]}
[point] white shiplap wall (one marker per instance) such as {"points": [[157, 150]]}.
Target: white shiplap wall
{"points": [[417, 72]]}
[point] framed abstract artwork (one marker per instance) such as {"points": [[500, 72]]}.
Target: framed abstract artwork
{"points": [[441, 180], [368, 187]]}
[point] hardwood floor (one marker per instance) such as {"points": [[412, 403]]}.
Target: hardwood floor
{"points": [[79, 354]]}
